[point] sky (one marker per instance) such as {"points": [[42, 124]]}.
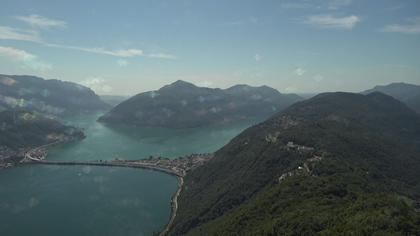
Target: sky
{"points": [[296, 46]]}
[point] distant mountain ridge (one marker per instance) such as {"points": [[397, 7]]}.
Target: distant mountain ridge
{"points": [[113, 100], [184, 105], [52, 97], [335, 164], [20, 129], [407, 93]]}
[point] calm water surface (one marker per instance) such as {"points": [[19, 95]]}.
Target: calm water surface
{"points": [[76, 200]]}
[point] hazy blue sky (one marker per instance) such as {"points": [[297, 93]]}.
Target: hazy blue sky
{"points": [[126, 47]]}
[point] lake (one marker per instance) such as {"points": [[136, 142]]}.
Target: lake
{"points": [[77, 200]]}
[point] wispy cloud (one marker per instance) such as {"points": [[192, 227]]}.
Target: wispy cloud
{"points": [[41, 22], [97, 84], [122, 63], [413, 27], [308, 4], [27, 59], [10, 33], [116, 53], [205, 83], [258, 57], [318, 78], [251, 20], [332, 22], [161, 56], [299, 71]]}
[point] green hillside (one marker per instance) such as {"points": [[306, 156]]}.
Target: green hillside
{"points": [[337, 163], [52, 97], [184, 105]]}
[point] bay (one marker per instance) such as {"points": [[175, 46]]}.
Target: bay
{"points": [[85, 200]]}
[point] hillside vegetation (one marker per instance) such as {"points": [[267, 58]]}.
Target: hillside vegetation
{"points": [[49, 97], [338, 163], [407, 93], [21, 130], [184, 105]]}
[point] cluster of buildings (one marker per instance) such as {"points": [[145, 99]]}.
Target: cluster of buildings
{"points": [[9, 157], [179, 166]]}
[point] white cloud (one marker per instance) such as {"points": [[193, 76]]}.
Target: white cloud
{"points": [[336, 4], [41, 22], [117, 53], [310, 4], [27, 59], [257, 57], [97, 84], [412, 28], [290, 89], [123, 53], [318, 78], [9, 33], [205, 83], [299, 71], [122, 62], [332, 22], [161, 56]]}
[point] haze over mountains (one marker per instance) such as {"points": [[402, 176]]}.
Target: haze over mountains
{"points": [[337, 163], [407, 93], [28, 105], [49, 97], [184, 105], [332, 164], [22, 130]]}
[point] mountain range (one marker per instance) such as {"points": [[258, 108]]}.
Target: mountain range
{"points": [[23, 130], [49, 97], [407, 93], [184, 105], [335, 164]]}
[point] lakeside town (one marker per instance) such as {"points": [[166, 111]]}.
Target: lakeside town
{"points": [[177, 167]]}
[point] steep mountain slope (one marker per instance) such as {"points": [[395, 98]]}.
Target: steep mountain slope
{"points": [[22, 130], [184, 105], [52, 97], [407, 93], [338, 162]]}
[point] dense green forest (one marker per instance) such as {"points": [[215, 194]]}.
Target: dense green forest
{"points": [[184, 105], [337, 163], [407, 93], [51, 97], [24, 129]]}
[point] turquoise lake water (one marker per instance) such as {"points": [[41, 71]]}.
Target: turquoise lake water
{"points": [[76, 200]]}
